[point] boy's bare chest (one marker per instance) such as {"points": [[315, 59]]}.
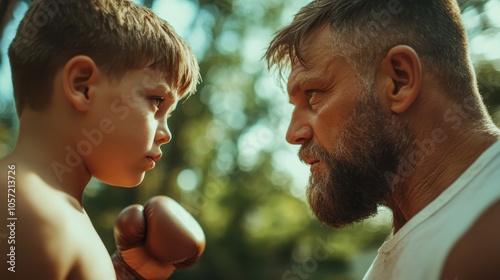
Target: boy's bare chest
{"points": [[94, 261]]}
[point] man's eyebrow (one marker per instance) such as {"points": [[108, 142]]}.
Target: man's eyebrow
{"points": [[295, 86], [293, 89], [301, 82]]}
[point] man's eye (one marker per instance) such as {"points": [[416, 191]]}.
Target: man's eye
{"points": [[311, 93]]}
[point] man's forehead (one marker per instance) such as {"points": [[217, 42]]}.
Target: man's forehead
{"points": [[296, 73], [298, 76], [319, 40], [313, 70]]}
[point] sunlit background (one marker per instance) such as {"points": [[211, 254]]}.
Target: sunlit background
{"points": [[229, 164]]}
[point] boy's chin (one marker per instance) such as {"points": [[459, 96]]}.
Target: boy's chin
{"points": [[123, 182]]}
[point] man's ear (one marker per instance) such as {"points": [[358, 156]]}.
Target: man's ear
{"points": [[403, 71], [79, 75]]}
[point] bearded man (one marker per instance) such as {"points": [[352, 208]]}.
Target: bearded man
{"points": [[387, 112]]}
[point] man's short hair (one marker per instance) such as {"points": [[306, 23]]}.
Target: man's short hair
{"points": [[365, 30], [117, 34]]}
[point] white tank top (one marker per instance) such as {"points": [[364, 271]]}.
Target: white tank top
{"points": [[418, 251]]}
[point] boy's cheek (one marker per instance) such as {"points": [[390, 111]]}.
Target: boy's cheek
{"points": [[120, 109]]}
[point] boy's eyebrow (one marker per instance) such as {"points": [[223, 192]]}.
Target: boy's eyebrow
{"points": [[163, 88], [156, 81]]}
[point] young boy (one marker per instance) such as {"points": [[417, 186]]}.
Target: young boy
{"points": [[94, 83]]}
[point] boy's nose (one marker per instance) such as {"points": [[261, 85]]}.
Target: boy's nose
{"points": [[163, 135]]}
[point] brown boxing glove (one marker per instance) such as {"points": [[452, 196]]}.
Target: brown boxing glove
{"points": [[155, 240]]}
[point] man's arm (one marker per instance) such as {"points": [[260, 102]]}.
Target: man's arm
{"points": [[477, 254]]}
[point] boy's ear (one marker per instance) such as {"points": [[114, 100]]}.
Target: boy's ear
{"points": [[79, 75], [402, 70]]}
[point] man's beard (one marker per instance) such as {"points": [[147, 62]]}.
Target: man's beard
{"points": [[355, 181]]}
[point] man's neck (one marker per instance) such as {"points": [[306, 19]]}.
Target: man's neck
{"points": [[435, 172]]}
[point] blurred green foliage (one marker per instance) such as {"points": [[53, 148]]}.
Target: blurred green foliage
{"points": [[224, 166]]}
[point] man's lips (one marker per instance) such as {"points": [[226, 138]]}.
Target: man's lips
{"points": [[314, 163], [310, 161]]}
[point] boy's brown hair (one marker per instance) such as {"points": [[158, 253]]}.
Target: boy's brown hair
{"points": [[117, 34]]}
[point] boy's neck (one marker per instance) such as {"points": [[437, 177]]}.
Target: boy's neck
{"points": [[44, 146]]}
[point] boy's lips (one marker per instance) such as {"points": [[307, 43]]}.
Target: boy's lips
{"points": [[153, 159]]}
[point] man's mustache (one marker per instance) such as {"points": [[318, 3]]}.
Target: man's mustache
{"points": [[312, 151]]}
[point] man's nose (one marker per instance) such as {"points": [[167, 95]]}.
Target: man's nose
{"points": [[299, 130]]}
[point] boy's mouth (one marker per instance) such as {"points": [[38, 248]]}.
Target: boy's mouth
{"points": [[152, 162], [153, 159]]}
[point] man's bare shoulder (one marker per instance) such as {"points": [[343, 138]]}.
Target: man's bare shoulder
{"points": [[477, 254], [52, 234]]}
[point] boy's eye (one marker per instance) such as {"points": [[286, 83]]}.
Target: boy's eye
{"points": [[157, 100]]}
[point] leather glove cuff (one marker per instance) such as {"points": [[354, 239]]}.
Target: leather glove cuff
{"points": [[122, 270]]}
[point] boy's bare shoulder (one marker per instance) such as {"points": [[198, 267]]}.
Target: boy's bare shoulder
{"points": [[54, 238]]}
